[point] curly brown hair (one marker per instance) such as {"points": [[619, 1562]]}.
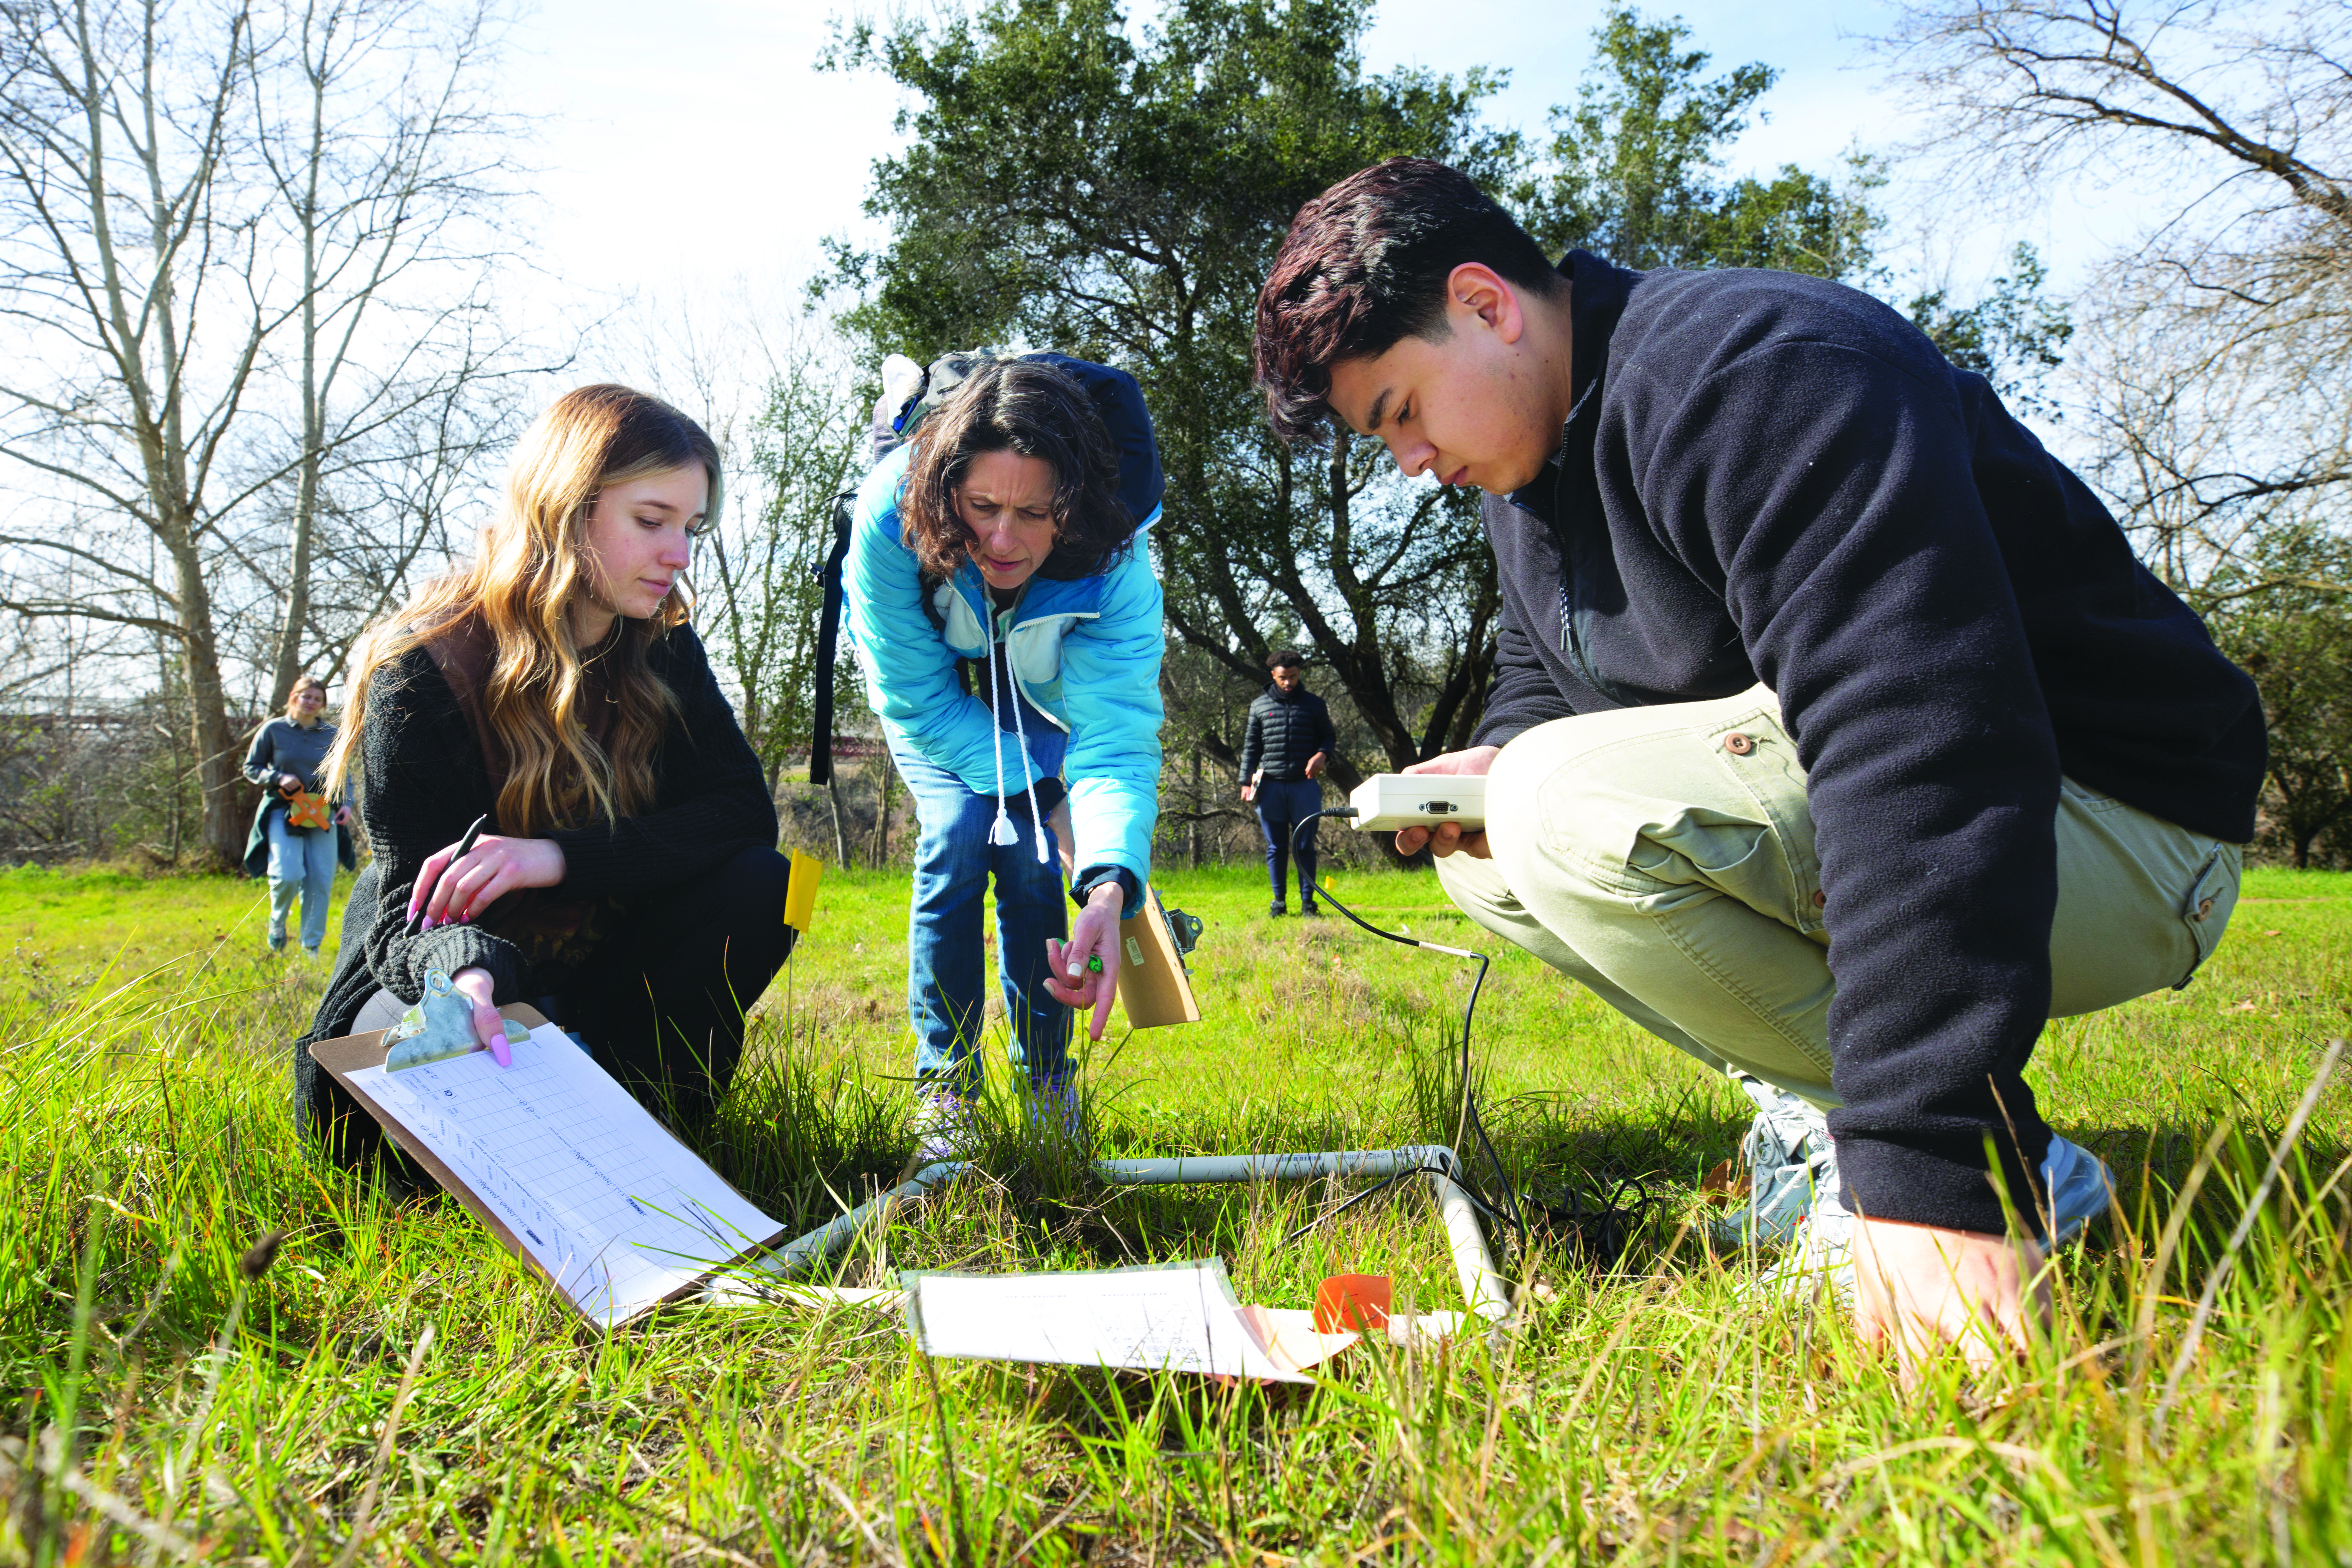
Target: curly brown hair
{"points": [[1035, 411]]}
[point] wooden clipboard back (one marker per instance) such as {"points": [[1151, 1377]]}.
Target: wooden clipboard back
{"points": [[349, 1054], [1152, 984]]}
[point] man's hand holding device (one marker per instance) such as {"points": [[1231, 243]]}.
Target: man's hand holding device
{"points": [[1451, 838]]}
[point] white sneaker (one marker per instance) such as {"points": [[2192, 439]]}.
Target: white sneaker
{"points": [[941, 1124], [1789, 1157]]}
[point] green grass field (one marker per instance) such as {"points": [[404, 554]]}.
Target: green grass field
{"points": [[394, 1387]]}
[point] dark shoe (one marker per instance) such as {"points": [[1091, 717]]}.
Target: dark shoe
{"points": [[1275, 909], [1310, 910]]}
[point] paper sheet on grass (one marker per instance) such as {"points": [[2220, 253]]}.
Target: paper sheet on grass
{"points": [[619, 1213], [1171, 1317]]}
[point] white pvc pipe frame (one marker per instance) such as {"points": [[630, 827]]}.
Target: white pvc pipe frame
{"points": [[1483, 1285]]}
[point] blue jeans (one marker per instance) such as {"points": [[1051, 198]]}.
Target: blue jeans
{"points": [[304, 863], [1281, 807], [953, 864]]}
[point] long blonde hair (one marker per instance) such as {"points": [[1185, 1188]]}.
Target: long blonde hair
{"points": [[533, 561]]}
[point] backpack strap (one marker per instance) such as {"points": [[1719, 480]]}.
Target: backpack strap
{"points": [[828, 639]]}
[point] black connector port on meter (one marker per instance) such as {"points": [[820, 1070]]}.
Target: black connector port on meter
{"points": [[1386, 801]]}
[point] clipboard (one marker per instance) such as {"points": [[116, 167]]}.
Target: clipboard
{"points": [[352, 1054], [1152, 984]]}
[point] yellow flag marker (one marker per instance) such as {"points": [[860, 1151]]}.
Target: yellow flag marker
{"points": [[800, 892]]}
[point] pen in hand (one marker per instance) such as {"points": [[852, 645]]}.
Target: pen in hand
{"points": [[497, 1040], [425, 895]]}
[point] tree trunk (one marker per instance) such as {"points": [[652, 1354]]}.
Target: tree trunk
{"points": [[840, 835], [289, 663], [882, 813], [219, 770], [1193, 829]]}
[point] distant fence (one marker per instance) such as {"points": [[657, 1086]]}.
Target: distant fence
{"points": [[103, 782]]}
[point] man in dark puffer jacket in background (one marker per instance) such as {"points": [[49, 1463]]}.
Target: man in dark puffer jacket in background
{"points": [[1835, 736], [1288, 741]]}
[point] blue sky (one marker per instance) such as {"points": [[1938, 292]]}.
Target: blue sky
{"points": [[708, 112]]}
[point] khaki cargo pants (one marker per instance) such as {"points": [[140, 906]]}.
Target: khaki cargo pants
{"points": [[1664, 856]]}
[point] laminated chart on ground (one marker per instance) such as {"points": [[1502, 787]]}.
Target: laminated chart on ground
{"points": [[616, 1211], [1159, 1317]]}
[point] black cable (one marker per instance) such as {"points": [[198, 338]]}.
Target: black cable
{"points": [[1469, 1118]]}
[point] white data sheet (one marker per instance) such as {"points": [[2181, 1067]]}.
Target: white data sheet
{"points": [[1176, 1317], [618, 1212]]}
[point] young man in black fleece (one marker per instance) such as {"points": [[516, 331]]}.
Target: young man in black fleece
{"points": [[1836, 735]]}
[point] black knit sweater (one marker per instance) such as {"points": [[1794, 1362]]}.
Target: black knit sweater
{"points": [[423, 782]]}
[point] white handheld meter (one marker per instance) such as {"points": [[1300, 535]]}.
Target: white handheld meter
{"points": [[1389, 801]]}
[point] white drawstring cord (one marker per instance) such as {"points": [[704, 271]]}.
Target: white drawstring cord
{"points": [[1020, 739], [1002, 831]]}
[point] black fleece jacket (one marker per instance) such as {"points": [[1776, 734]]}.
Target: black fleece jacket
{"points": [[424, 781], [1766, 476]]}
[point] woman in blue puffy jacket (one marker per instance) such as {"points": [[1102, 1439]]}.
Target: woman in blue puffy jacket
{"points": [[1002, 599]]}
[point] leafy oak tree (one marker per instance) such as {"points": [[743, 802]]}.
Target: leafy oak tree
{"points": [[1066, 184], [1635, 167], [2293, 634], [1070, 186]]}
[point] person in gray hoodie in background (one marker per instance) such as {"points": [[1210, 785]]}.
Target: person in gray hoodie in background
{"points": [[1288, 742]]}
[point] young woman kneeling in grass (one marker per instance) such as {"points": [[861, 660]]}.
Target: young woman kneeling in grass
{"points": [[1005, 612], [628, 883]]}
